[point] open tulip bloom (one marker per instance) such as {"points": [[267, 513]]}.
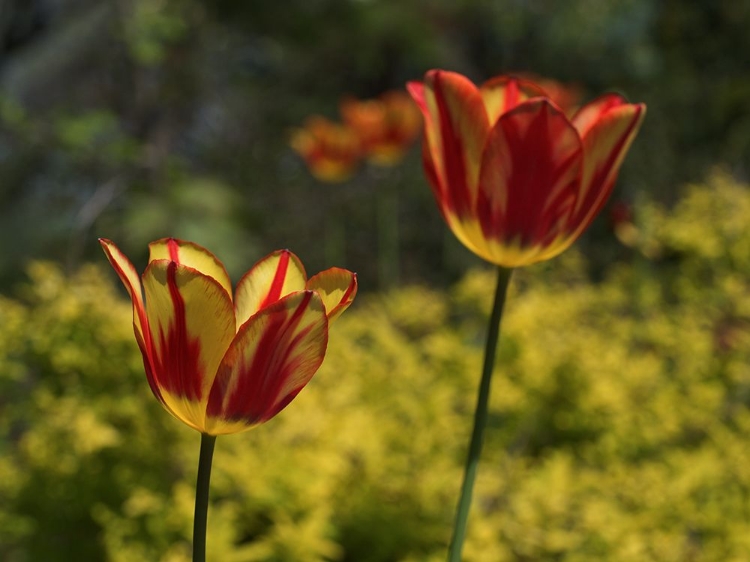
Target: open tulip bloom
{"points": [[222, 363], [517, 181]]}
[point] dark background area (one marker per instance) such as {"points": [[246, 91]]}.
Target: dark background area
{"points": [[136, 119]]}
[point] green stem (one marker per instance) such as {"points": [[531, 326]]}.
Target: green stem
{"points": [[480, 418], [334, 241], [388, 258], [201, 497]]}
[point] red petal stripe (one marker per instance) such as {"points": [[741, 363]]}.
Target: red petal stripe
{"points": [[177, 367], [530, 171], [253, 388], [274, 292], [174, 250]]}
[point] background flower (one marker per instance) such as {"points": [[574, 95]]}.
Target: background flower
{"points": [[386, 126], [331, 150]]}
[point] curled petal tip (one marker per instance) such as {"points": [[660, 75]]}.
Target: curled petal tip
{"points": [[337, 288]]}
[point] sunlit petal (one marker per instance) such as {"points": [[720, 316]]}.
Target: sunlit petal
{"points": [[272, 278], [197, 358], [192, 323], [273, 356], [132, 281], [337, 288], [192, 255]]}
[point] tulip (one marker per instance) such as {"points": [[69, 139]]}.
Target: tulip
{"points": [[221, 364], [332, 151], [516, 180], [386, 126]]}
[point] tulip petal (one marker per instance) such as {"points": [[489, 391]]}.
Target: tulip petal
{"points": [[456, 127], [192, 323], [607, 126], [503, 93], [272, 278], [274, 355], [337, 287], [587, 116], [192, 255], [530, 173], [130, 278], [132, 281]]}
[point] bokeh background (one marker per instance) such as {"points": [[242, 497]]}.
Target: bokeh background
{"points": [[620, 427]]}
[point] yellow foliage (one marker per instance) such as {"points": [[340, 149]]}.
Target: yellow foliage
{"points": [[619, 421]]}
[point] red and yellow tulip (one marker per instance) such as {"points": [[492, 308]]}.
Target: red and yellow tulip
{"points": [[517, 180], [223, 364], [386, 126], [332, 151]]}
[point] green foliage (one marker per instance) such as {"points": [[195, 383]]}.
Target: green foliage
{"points": [[95, 94], [151, 27], [95, 135], [619, 419]]}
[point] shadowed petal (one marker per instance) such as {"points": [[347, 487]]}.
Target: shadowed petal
{"points": [[587, 116], [530, 173], [503, 93], [272, 278], [274, 355], [337, 287], [456, 126], [608, 127], [192, 323], [191, 255]]}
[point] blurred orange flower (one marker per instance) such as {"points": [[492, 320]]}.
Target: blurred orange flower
{"points": [[221, 364], [517, 180], [566, 96], [386, 126], [331, 150]]}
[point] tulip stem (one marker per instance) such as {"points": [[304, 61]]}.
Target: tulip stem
{"points": [[480, 418], [201, 497], [387, 217]]}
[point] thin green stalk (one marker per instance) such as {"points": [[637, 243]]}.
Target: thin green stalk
{"points": [[480, 418], [388, 242], [201, 497], [334, 237]]}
